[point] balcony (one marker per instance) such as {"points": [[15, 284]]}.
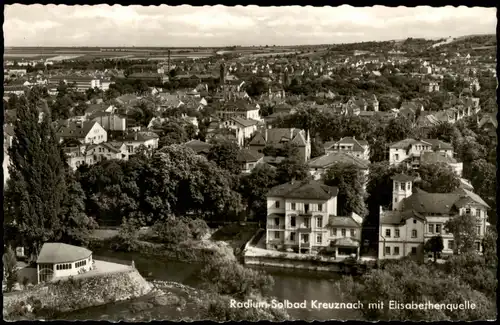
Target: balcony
{"points": [[281, 226], [305, 212]]}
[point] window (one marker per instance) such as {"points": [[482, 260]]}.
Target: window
{"points": [[387, 251], [387, 233], [292, 221], [478, 230], [478, 213], [402, 186], [431, 228], [292, 236], [413, 233], [306, 207], [396, 251], [396, 233], [396, 157], [438, 229], [333, 232], [276, 235], [293, 206], [319, 239], [353, 232], [343, 232], [277, 204], [408, 186], [277, 221], [451, 244], [413, 251], [396, 186], [319, 222], [320, 207], [306, 222], [414, 221], [467, 210], [478, 246]]}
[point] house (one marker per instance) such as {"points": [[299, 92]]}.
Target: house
{"points": [[58, 260], [373, 103], [409, 110], [430, 157], [110, 121], [240, 108], [280, 137], [87, 132], [429, 86], [417, 216], [412, 148], [489, 123], [248, 159], [357, 148], [107, 151], [80, 83], [302, 216], [77, 156], [319, 165], [134, 140], [200, 147], [244, 128]]}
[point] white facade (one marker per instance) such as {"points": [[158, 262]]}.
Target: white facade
{"points": [[397, 154], [112, 122], [97, 134], [66, 269]]}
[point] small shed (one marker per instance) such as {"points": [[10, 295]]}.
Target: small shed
{"points": [[60, 260]]}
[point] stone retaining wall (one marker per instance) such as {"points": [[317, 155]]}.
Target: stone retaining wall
{"points": [[77, 293]]}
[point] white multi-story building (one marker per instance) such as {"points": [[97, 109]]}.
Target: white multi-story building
{"points": [[417, 216], [410, 150], [353, 146], [302, 216]]}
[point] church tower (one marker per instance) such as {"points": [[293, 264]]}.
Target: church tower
{"points": [[402, 186]]}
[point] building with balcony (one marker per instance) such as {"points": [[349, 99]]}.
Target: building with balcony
{"points": [[410, 150], [417, 216], [302, 217]]}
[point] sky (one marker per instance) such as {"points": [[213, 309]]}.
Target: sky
{"points": [[167, 26]]}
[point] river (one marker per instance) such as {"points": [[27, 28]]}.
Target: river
{"points": [[292, 285]]}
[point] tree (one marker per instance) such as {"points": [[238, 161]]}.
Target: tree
{"points": [[256, 87], [291, 168], [463, 228], [398, 129], [37, 188], [490, 246], [434, 245], [254, 187], [438, 178], [483, 179], [225, 155], [9, 268], [350, 181], [445, 132]]}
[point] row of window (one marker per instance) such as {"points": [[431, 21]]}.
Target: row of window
{"points": [[401, 185], [396, 252], [293, 222], [307, 206], [469, 211], [81, 263], [343, 232], [396, 233], [305, 237], [67, 266]]}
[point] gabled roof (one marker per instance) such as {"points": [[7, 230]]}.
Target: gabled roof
{"points": [[74, 130], [59, 253], [357, 144], [198, 146], [398, 217], [308, 189], [243, 121], [337, 157], [247, 155], [436, 157], [342, 221], [141, 136], [476, 198]]}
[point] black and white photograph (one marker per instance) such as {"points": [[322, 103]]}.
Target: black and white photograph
{"points": [[249, 163]]}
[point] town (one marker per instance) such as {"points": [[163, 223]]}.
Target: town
{"points": [[335, 158]]}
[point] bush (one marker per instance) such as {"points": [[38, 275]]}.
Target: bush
{"points": [[198, 228], [231, 278], [127, 237], [10, 268], [172, 231]]}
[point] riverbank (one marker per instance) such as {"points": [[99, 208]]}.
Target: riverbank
{"points": [[65, 295]]}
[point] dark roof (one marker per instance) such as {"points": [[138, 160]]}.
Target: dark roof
{"points": [[336, 221], [243, 121], [435, 143], [198, 146], [247, 155], [308, 189], [403, 178], [275, 136], [436, 157], [59, 253], [337, 157], [75, 130], [141, 136], [423, 202], [398, 217]]}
